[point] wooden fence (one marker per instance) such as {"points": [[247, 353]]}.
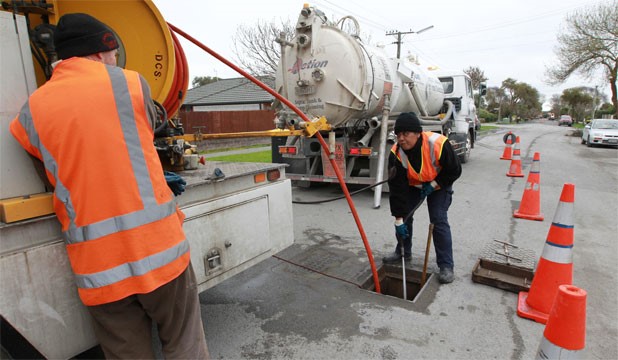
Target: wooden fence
{"points": [[215, 122]]}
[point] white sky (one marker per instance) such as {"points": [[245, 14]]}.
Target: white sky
{"points": [[504, 38]]}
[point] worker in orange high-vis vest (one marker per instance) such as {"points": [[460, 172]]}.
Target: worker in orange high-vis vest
{"points": [[426, 167], [91, 126]]}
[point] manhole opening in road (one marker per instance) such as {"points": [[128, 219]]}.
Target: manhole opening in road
{"points": [[391, 282]]}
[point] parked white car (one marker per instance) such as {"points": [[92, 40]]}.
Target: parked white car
{"points": [[601, 132]]}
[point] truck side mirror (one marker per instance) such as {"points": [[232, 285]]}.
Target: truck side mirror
{"points": [[483, 89]]}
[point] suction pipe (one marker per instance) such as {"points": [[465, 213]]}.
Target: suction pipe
{"points": [[377, 192], [373, 124], [318, 135]]}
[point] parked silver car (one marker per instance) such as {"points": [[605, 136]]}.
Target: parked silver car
{"points": [[601, 132]]}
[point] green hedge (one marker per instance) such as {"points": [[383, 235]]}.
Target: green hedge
{"points": [[487, 116]]}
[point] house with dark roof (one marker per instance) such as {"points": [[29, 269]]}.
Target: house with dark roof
{"points": [[236, 94]]}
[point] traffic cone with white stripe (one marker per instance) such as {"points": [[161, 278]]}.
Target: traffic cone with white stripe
{"points": [[555, 266], [508, 148], [515, 168], [530, 205], [565, 333]]}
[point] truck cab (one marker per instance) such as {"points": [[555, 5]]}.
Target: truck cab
{"points": [[458, 90]]}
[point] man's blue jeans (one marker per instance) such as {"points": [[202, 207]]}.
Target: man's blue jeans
{"points": [[438, 203]]}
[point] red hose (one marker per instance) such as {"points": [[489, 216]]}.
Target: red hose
{"points": [[180, 81], [319, 136]]}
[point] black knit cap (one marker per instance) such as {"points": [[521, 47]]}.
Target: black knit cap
{"points": [[408, 121], [81, 34]]}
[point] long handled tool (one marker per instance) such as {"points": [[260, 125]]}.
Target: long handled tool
{"points": [[403, 266], [424, 275], [403, 261]]}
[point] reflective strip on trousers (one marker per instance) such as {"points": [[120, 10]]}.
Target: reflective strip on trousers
{"points": [[558, 253], [131, 269]]}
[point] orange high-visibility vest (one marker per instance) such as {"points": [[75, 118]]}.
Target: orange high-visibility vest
{"points": [[90, 127], [431, 150]]}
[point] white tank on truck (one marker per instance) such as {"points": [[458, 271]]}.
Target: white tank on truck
{"points": [[329, 72]]}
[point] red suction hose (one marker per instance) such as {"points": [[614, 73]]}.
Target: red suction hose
{"points": [[180, 81], [319, 136]]}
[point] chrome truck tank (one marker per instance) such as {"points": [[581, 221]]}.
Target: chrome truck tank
{"points": [[328, 72]]}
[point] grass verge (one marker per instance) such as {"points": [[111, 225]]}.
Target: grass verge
{"points": [[260, 156]]}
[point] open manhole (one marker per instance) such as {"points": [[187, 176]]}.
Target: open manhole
{"points": [[391, 282]]}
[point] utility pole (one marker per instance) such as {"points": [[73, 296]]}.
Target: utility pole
{"points": [[399, 33]]}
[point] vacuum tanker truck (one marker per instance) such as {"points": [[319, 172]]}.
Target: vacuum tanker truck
{"points": [[329, 72]]}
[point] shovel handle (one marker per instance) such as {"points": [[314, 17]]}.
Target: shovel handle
{"points": [[424, 275]]}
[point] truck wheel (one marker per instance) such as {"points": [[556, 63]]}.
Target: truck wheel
{"points": [[463, 158], [4, 354]]}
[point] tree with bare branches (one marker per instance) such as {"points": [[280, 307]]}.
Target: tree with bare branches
{"points": [[589, 43], [476, 75], [255, 47]]}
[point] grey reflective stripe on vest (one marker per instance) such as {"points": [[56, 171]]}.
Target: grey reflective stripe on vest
{"points": [[119, 223], [136, 268], [61, 192], [432, 143], [131, 136], [403, 157]]}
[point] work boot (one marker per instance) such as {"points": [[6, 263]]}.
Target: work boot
{"points": [[395, 258], [446, 275]]}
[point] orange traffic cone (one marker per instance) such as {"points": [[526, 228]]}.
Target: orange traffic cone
{"points": [[515, 168], [555, 266], [565, 332], [506, 154], [530, 207]]}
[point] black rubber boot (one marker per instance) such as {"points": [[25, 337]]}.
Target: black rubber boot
{"points": [[446, 276], [395, 258]]}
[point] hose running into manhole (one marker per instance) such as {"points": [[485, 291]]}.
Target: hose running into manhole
{"points": [[285, 101]]}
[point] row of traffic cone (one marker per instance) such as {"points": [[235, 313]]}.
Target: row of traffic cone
{"points": [[552, 299], [530, 205]]}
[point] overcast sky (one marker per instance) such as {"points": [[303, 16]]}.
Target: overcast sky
{"points": [[504, 38]]}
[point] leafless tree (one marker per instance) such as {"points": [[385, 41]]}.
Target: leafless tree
{"points": [[476, 75], [255, 47], [203, 80], [590, 42]]}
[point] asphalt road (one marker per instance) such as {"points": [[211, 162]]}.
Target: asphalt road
{"points": [[280, 310]]}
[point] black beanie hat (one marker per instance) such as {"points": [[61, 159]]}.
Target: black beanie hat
{"points": [[408, 121], [81, 34]]}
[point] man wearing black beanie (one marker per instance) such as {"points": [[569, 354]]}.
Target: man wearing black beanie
{"points": [[90, 126], [426, 167], [81, 35]]}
